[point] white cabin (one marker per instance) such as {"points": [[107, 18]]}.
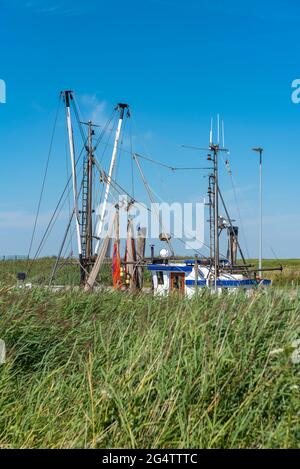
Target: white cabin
{"points": [[180, 277]]}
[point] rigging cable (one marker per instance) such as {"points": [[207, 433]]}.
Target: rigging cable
{"points": [[78, 119], [105, 128], [226, 163], [172, 168], [66, 232], [120, 149], [55, 210], [131, 158], [151, 160], [118, 188], [44, 178]]}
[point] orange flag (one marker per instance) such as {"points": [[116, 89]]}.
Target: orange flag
{"points": [[116, 267]]}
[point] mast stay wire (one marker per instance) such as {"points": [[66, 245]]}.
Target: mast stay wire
{"points": [[60, 210], [172, 168], [56, 208], [50, 228], [118, 188], [45, 176], [107, 143], [105, 128], [65, 236], [120, 149], [150, 194], [229, 171], [273, 252], [78, 118], [131, 158]]}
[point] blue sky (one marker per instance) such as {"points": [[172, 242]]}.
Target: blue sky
{"points": [[176, 63]]}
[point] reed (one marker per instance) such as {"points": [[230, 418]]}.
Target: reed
{"points": [[113, 370]]}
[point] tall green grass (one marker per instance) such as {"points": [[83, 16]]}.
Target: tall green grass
{"points": [[114, 370]]}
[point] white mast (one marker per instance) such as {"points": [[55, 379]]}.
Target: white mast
{"points": [[68, 96], [121, 107]]}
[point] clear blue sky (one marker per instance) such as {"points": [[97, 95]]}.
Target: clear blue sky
{"points": [[176, 63]]}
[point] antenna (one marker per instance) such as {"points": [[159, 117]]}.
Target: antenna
{"points": [[211, 131], [223, 133], [213, 195]]}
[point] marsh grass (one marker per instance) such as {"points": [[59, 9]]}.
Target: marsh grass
{"points": [[113, 370]]}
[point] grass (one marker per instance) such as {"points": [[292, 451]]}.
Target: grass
{"points": [[113, 370], [39, 272], [290, 276]]}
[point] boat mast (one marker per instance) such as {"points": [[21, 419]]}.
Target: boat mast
{"points": [[121, 108], [210, 204], [215, 149], [87, 204], [68, 96], [89, 238]]}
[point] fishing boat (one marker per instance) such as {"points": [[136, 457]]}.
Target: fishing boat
{"points": [[215, 273], [189, 276]]}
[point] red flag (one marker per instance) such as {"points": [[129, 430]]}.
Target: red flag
{"points": [[116, 267]]}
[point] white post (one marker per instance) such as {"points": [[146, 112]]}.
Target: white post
{"points": [[121, 107], [261, 202], [260, 151], [73, 165]]}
